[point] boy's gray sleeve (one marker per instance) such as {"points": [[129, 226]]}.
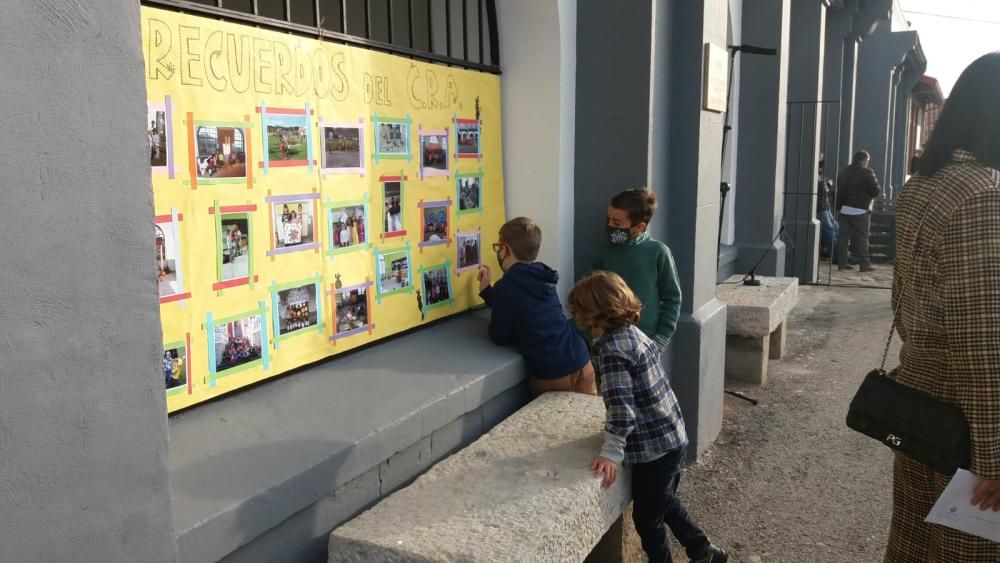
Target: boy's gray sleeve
{"points": [[616, 387]]}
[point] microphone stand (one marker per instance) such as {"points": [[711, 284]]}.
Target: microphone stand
{"points": [[751, 278]]}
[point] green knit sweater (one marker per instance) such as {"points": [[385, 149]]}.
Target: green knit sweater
{"points": [[647, 266]]}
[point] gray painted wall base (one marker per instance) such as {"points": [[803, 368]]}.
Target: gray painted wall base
{"points": [[774, 258], [271, 469], [304, 536], [698, 375]]}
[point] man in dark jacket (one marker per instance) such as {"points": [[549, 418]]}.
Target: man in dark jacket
{"points": [[856, 188]]}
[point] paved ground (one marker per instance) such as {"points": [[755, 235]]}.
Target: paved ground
{"points": [[787, 480]]}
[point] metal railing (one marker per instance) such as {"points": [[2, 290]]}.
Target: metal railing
{"points": [[415, 39]]}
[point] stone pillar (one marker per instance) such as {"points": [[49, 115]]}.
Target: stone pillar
{"points": [[538, 98], [83, 424], [640, 122], [839, 22], [762, 133], [881, 54], [687, 145], [901, 142], [612, 118], [805, 110]]}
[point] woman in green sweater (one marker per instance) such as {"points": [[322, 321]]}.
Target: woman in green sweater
{"points": [[646, 264]]}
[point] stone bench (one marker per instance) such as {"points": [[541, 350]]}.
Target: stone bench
{"points": [[756, 324], [522, 492]]}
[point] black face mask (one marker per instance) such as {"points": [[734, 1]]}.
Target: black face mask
{"points": [[500, 260], [617, 235]]}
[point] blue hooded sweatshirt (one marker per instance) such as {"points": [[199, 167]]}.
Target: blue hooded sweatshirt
{"points": [[527, 313]]}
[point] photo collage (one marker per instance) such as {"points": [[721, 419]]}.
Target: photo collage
{"points": [[292, 228]]}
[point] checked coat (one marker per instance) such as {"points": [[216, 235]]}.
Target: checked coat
{"points": [[947, 291]]}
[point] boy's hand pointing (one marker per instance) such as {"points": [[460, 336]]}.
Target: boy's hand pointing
{"points": [[485, 277]]}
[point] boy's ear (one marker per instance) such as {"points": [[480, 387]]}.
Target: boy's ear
{"points": [[640, 227]]}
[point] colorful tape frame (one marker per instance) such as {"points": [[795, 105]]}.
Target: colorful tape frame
{"points": [[294, 198], [369, 327], [458, 247], [402, 204], [186, 344], [423, 205], [459, 176], [446, 266], [233, 212], [166, 107], [328, 208], [360, 126], [380, 292], [265, 359], [173, 219], [319, 327], [479, 137], [247, 128], [378, 154], [426, 172], [266, 163]]}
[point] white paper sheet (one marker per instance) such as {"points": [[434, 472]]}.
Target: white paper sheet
{"points": [[954, 509]]}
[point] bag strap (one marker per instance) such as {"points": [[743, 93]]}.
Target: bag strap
{"points": [[899, 300]]}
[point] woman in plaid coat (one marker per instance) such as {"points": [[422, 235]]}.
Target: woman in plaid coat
{"points": [[947, 287]]}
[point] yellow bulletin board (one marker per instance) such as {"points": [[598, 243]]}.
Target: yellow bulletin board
{"points": [[309, 197]]}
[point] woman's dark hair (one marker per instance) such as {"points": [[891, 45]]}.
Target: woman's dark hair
{"points": [[970, 119]]}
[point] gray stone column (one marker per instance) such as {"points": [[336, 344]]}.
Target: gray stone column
{"points": [[880, 55], [839, 23], [901, 131], [613, 47], [649, 128], [687, 146], [805, 109], [760, 171], [83, 424], [538, 120]]}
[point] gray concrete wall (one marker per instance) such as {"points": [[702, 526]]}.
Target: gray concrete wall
{"points": [[694, 152], [639, 122], [83, 439], [538, 96], [805, 112], [760, 176], [612, 118]]}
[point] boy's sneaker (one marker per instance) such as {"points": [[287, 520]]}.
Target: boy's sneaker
{"points": [[714, 555]]}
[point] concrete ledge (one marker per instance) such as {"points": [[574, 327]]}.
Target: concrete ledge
{"points": [[242, 466], [523, 492]]}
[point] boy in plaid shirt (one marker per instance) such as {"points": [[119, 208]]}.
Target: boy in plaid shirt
{"points": [[644, 427]]}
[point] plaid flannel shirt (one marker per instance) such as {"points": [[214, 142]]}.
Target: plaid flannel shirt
{"points": [[644, 420]]}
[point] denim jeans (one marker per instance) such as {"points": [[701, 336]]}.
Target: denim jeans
{"points": [[654, 494], [829, 231], [854, 231]]}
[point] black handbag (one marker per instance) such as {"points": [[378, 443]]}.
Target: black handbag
{"points": [[910, 421]]}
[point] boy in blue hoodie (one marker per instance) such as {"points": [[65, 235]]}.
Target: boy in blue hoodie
{"points": [[528, 314]]}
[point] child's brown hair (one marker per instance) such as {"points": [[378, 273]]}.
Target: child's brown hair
{"points": [[639, 203], [523, 236], [605, 300]]}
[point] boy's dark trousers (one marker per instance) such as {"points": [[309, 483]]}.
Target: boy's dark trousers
{"points": [[655, 502]]}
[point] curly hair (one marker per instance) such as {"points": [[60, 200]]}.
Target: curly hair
{"points": [[605, 300]]}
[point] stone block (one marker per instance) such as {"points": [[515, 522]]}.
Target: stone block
{"points": [[778, 341], [522, 492], [746, 358], [757, 310]]}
